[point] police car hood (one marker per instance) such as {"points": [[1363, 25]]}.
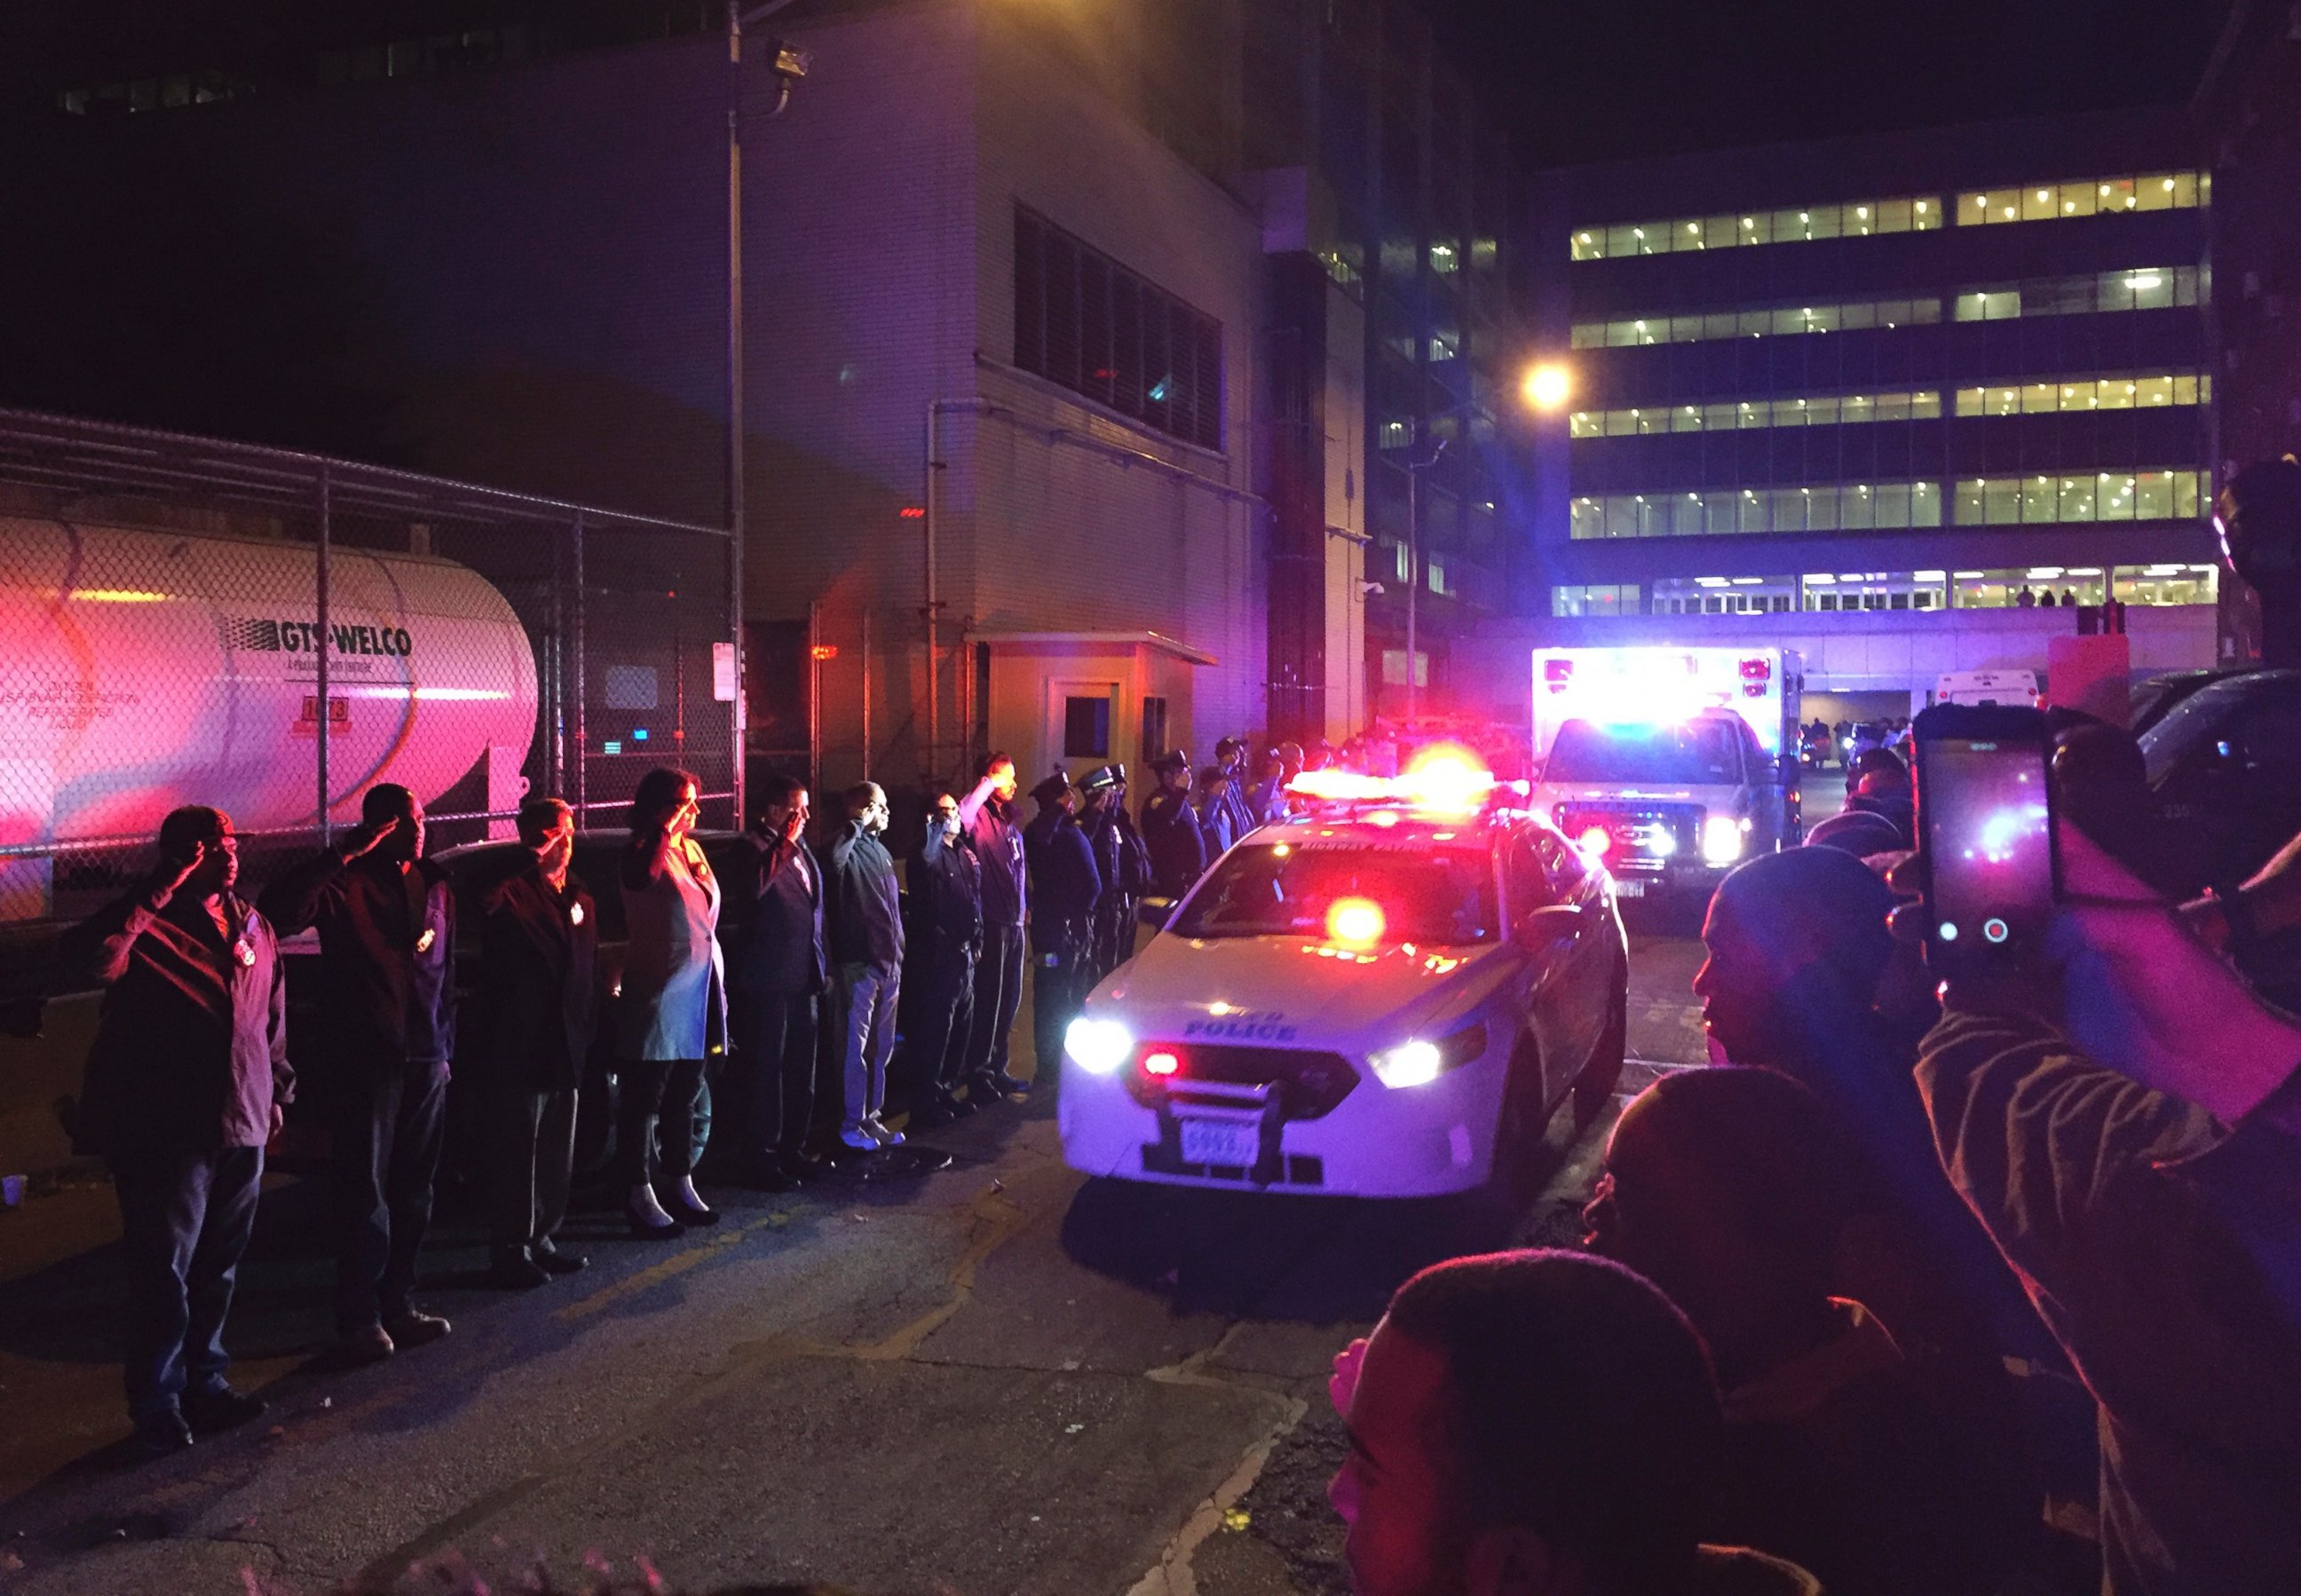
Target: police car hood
{"points": [[1296, 992]]}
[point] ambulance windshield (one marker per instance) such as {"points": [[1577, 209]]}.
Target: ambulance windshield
{"points": [[1705, 751]]}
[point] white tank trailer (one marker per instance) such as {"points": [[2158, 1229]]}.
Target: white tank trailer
{"points": [[142, 670]]}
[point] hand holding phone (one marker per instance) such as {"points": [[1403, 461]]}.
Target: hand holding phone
{"points": [[1985, 814]]}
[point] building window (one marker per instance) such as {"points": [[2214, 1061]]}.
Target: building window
{"points": [[1822, 507], [2085, 392], [1086, 728], [2145, 288], [1799, 224], [1819, 410], [1724, 594], [1394, 667], [2063, 496], [1594, 599], [2090, 196], [1154, 730], [1088, 323], [1779, 321]]}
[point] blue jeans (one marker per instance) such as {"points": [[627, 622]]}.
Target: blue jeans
{"points": [[185, 1218], [867, 995]]}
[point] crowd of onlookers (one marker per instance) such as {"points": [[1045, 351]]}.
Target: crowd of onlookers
{"points": [[1991, 1286]]}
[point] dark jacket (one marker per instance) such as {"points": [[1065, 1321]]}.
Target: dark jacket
{"points": [[999, 847], [191, 1051], [386, 954], [785, 950], [1065, 885], [946, 884], [1178, 851], [539, 970], [866, 908], [2164, 1250]]}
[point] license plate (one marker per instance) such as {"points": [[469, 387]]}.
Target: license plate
{"points": [[1623, 889], [1221, 1141]]}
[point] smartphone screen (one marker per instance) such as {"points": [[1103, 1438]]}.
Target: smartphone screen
{"points": [[1984, 807]]}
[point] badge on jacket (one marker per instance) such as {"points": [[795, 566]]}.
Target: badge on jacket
{"points": [[245, 954], [423, 943], [574, 914]]}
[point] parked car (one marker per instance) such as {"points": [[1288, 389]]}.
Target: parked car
{"points": [[2225, 765]]}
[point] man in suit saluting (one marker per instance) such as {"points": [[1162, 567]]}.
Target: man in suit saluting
{"points": [[780, 971]]}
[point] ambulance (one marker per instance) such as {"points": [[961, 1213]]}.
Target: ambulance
{"points": [[1669, 765]]}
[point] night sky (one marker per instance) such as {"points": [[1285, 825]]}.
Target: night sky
{"points": [[1596, 80]]}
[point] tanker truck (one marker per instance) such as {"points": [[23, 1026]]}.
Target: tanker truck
{"points": [[141, 670]]}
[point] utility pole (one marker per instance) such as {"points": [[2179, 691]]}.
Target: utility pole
{"points": [[1422, 460]]}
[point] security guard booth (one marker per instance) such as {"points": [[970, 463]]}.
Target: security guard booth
{"points": [[1076, 699]]}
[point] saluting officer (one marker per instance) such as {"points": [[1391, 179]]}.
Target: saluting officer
{"points": [[1064, 888], [1170, 827], [946, 892], [1122, 861]]}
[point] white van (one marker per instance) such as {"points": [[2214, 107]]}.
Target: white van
{"points": [[1987, 686]]}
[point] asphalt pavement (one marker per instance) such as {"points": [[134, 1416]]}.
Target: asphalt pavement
{"points": [[996, 1378]]}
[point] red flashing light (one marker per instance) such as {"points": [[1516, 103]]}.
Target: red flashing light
{"points": [[1355, 922], [1757, 670], [823, 651], [1161, 1064], [1558, 674], [1597, 842], [913, 512]]}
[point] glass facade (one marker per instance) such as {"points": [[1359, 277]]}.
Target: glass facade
{"points": [[2047, 500], [1823, 507], [1777, 322], [1854, 219], [1830, 592], [2045, 395], [2141, 288], [1820, 410]]}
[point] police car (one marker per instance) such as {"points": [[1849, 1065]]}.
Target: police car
{"points": [[1388, 996]]}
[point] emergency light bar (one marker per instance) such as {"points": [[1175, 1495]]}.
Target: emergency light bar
{"points": [[1439, 779], [1661, 685]]}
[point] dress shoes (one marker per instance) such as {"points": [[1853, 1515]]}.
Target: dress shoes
{"points": [[685, 1212], [646, 1227], [1011, 1086], [212, 1412], [982, 1091], [159, 1434], [934, 1116], [357, 1347], [413, 1327], [802, 1169], [517, 1272], [552, 1261]]}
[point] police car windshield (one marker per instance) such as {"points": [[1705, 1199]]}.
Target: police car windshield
{"points": [[1442, 897], [1694, 753]]}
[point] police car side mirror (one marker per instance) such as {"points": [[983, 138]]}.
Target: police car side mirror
{"points": [[1546, 926]]}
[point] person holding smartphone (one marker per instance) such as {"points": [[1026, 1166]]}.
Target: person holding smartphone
{"points": [[185, 1084], [2124, 1117]]}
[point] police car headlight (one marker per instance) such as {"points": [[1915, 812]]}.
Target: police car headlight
{"points": [[1098, 1046], [1410, 1064], [1721, 839]]}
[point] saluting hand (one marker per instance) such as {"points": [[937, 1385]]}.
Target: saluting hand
{"points": [[175, 870], [366, 837]]}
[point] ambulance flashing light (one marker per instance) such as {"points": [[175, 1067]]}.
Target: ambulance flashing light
{"points": [[1657, 686]]}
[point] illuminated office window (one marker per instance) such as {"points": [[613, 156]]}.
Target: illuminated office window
{"points": [[2122, 392], [1596, 598], [1823, 507], [1821, 410], [1797, 224], [1695, 327], [2048, 498], [2089, 197], [2145, 288]]}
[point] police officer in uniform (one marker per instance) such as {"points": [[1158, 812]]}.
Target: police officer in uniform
{"points": [[946, 895], [1065, 889], [1170, 829], [1122, 861]]}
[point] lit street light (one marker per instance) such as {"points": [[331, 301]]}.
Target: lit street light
{"points": [[1547, 386]]}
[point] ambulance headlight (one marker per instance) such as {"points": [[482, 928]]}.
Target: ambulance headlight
{"points": [[1097, 1046], [1408, 1063], [1722, 840]]}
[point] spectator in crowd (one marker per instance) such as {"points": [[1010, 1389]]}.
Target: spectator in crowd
{"points": [[1729, 1188], [2125, 1121], [1291, 762], [946, 883], [866, 953], [386, 923], [1214, 812], [1319, 755], [673, 1017], [2027, 598], [1171, 831], [1122, 861], [986, 814], [185, 1084], [781, 971], [1535, 1421], [1856, 831], [1878, 783], [539, 941], [2100, 784], [1064, 888], [1796, 945]]}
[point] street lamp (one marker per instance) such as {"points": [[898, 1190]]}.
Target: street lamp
{"points": [[790, 65], [1547, 386]]}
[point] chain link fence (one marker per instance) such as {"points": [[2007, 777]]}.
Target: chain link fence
{"points": [[186, 621]]}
